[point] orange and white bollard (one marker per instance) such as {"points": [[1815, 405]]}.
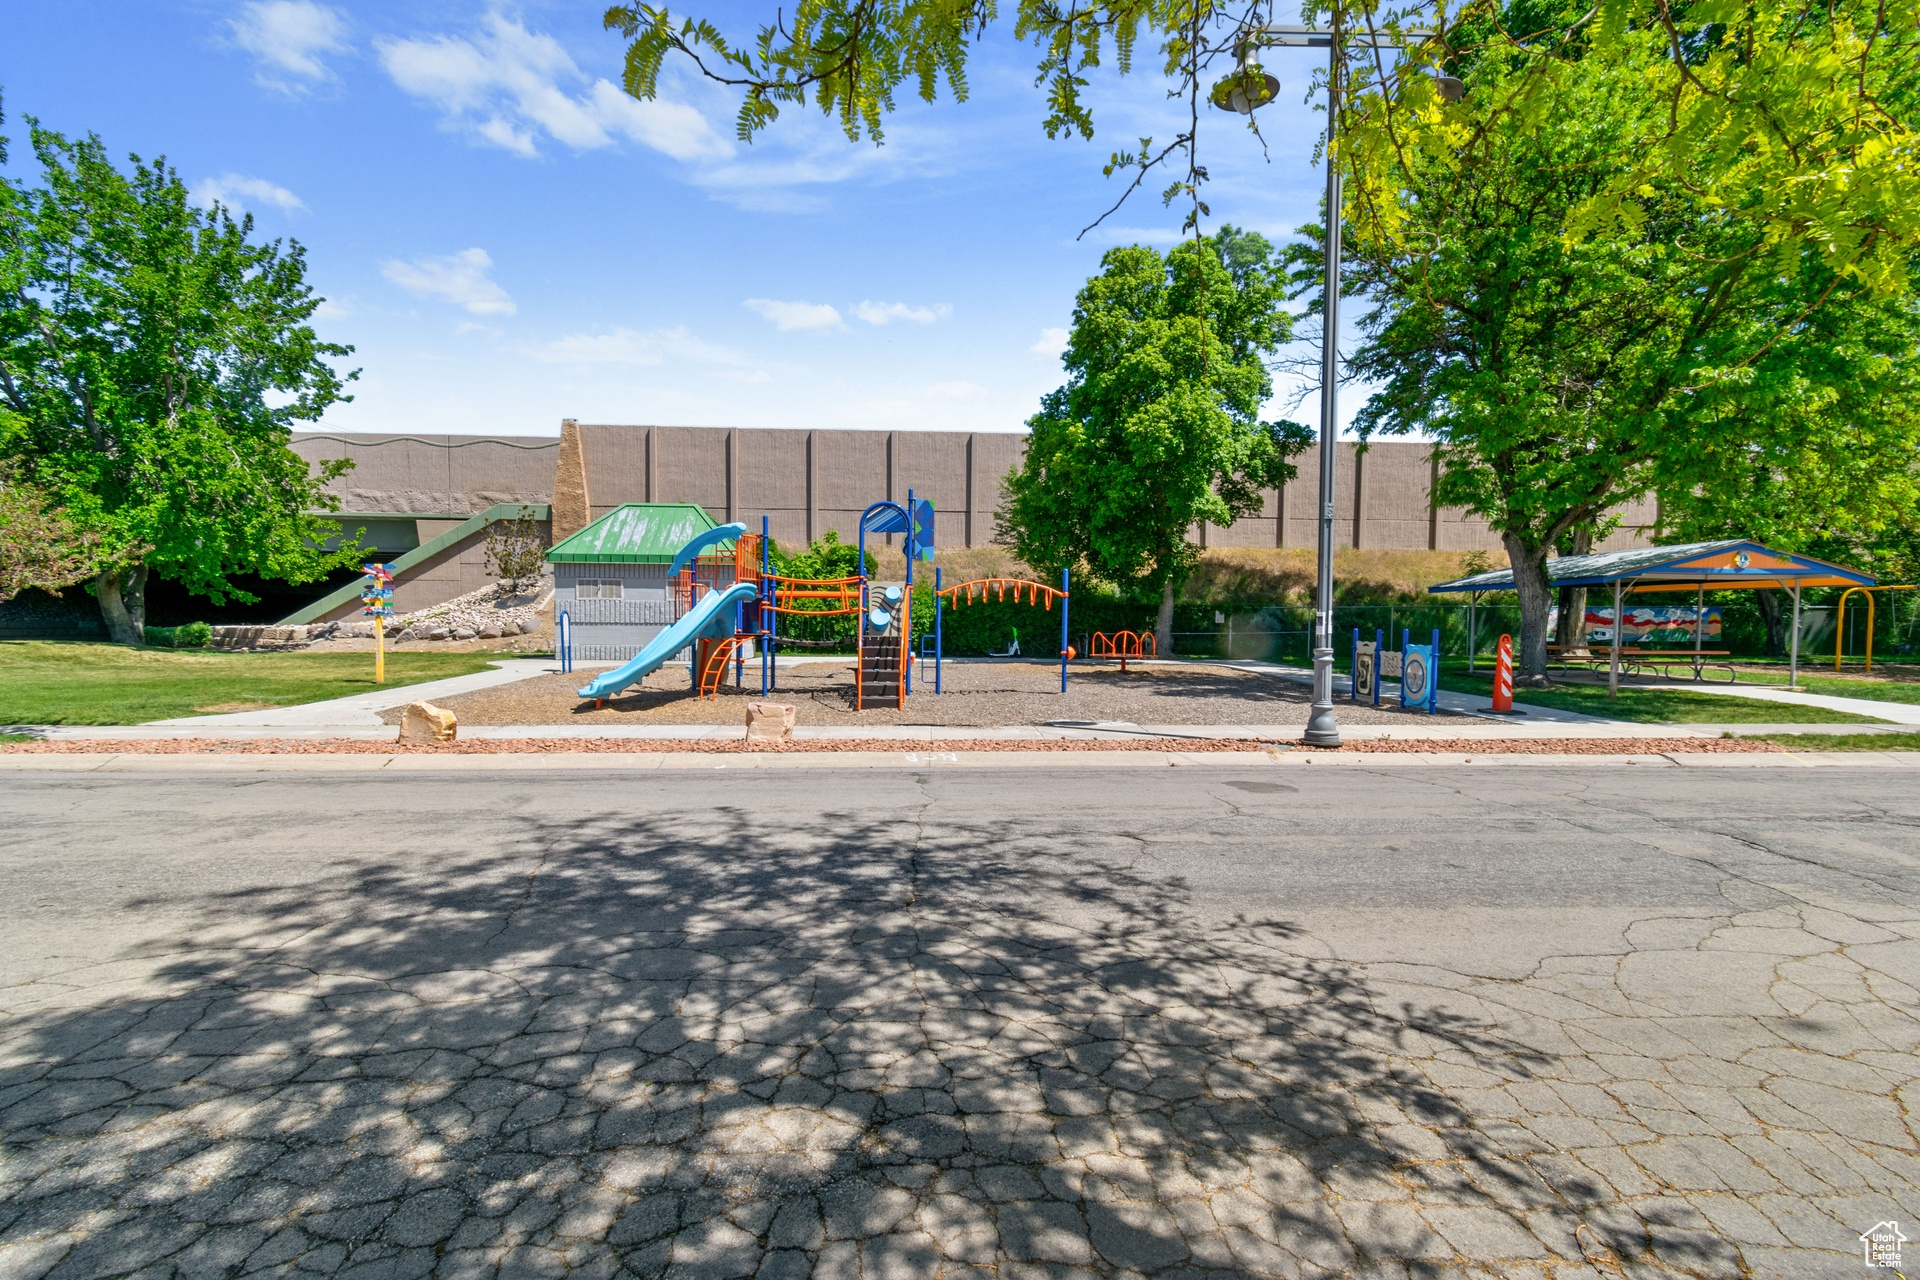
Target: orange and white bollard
{"points": [[1503, 676]]}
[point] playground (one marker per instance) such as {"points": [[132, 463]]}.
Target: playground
{"points": [[973, 693]]}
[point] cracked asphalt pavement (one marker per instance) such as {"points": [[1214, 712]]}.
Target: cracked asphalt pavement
{"points": [[1486, 1021]]}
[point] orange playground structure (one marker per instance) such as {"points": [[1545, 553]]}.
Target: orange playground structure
{"points": [[1122, 645]]}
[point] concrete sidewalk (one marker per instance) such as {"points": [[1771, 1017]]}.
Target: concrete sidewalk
{"points": [[362, 710], [1906, 713]]}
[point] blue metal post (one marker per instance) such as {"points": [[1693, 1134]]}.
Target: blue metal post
{"points": [[1066, 599], [1353, 682], [1379, 662], [937, 603], [769, 676], [563, 641], [1433, 678]]}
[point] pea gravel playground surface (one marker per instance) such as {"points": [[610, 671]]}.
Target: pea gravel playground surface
{"points": [[974, 694]]}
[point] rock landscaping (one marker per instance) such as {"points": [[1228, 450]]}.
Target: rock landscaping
{"points": [[486, 614]]}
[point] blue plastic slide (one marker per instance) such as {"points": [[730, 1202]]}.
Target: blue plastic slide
{"points": [[711, 618]]}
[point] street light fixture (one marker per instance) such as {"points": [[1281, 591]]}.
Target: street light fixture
{"points": [[1322, 729]]}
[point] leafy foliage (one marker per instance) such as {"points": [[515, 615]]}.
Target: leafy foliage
{"points": [[1793, 118], [516, 551], [826, 557], [1158, 425], [39, 545], [153, 360], [1563, 374], [188, 635]]}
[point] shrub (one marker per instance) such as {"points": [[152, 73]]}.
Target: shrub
{"points": [[193, 635]]}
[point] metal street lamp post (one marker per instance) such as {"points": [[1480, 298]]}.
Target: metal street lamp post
{"points": [[1322, 729]]}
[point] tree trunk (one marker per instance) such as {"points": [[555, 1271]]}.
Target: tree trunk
{"points": [[1163, 627], [1573, 600], [123, 603], [1536, 602], [1769, 601]]}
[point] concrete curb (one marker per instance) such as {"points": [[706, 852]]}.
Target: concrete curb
{"points": [[1451, 731], [1024, 761]]}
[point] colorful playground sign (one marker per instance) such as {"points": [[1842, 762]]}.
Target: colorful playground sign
{"points": [[376, 594], [1420, 674], [1415, 666], [923, 528], [376, 599]]}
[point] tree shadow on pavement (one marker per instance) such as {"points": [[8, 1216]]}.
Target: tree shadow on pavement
{"points": [[733, 1048]]}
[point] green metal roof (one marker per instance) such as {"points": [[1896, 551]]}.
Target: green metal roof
{"points": [[637, 533]]}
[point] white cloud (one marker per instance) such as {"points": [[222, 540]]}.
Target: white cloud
{"points": [[1053, 342], [809, 316], [287, 39], [504, 85], [332, 309], [459, 278], [238, 192], [632, 348], [882, 312], [955, 391]]}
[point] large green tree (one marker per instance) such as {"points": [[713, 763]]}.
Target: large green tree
{"points": [[1561, 373], [1158, 426], [1793, 117], [1837, 476], [153, 361]]}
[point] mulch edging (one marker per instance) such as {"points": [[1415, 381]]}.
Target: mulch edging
{"points": [[738, 746]]}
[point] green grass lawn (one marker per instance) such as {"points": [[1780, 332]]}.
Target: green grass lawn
{"points": [[48, 682], [1844, 741], [1654, 706]]}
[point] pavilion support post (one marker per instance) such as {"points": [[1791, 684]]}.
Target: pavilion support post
{"points": [[1613, 650], [1473, 600], [1699, 623], [1793, 643]]}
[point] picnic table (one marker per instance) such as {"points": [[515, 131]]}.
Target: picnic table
{"points": [[1641, 660]]}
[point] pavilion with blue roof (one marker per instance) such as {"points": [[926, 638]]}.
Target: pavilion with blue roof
{"points": [[1732, 564]]}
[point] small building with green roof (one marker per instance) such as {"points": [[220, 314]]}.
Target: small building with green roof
{"points": [[611, 577]]}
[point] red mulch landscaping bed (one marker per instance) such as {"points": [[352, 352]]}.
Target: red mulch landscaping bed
{"points": [[733, 746]]}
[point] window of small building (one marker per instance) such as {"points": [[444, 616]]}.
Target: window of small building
{"points": [[598, 589]]}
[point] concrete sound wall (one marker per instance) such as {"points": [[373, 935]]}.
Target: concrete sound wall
{"points": [[804, 482], [807, 482], [434, 474]]}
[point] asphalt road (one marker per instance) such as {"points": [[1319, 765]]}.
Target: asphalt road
{"points": [[1047, 1022]]}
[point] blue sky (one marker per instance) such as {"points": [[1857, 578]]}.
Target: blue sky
{"points": [[508, 240]]}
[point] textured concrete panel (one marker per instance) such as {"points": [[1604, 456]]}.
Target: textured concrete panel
{"points": [[434, 472], [771, 469], [1248, 531], [1396, 483], [690, 465], [616, 459], [994, 455], [850, 468]]}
